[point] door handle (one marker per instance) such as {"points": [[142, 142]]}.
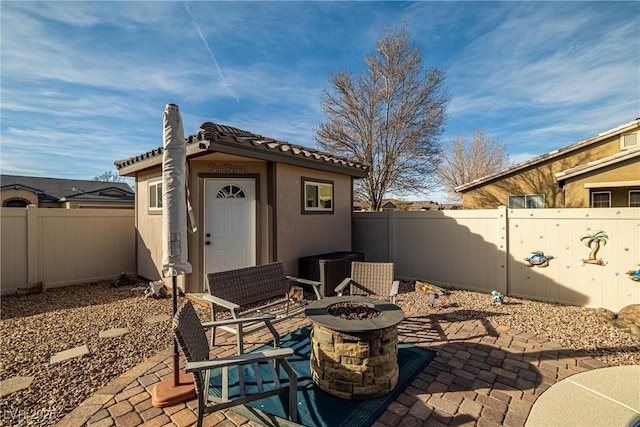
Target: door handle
{"points": [[207, 243]]}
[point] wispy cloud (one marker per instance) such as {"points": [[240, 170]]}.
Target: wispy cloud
{"points": [[84, 77], [196, 25], [559, 66]]}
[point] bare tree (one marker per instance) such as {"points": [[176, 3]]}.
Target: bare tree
{"points": [[389, 117], [108, 176], [463, 161]]}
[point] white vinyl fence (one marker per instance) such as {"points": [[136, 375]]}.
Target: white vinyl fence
{"points": [[487, 250], [64, 246]]}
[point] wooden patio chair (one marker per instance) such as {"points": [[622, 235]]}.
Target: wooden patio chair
{"points": [[190, 334], [370, 278]]}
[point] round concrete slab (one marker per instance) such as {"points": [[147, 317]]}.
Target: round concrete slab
{"points": [[600, 397]]}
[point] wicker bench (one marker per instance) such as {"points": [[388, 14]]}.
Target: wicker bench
{"points": [[265, 288]]}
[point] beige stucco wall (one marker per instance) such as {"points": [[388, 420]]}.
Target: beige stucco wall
{"points": [[539, 179], [578, 196], [310, 234], [297, 234], [149, 228]]}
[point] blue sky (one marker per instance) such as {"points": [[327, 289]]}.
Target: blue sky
{"points": [[85, 83]]}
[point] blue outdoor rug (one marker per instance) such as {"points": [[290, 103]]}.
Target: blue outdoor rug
{"points": [[315, 407]]}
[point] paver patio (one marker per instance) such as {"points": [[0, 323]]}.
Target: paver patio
{"points": [[483, 375]]}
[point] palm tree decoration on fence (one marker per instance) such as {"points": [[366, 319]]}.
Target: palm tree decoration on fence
{"points": [[596, 239]]}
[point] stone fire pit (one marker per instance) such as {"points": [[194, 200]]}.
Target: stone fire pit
{"points": [[357, 357]]}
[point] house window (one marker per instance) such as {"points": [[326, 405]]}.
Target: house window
{"points": [[16, 203], [317, 196], [601, 199], [629, 140], [155, 196], [634, 199], [526, 201]]}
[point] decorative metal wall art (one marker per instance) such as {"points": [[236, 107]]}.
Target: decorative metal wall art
{"points": [[595, 239], [538, 258]]}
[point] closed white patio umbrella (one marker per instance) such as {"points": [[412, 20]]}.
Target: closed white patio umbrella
{"points": [[174, 242]]}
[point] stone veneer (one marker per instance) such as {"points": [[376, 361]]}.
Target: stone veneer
{"points": [[355, 365]]}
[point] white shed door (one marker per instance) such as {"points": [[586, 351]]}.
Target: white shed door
{"points": [[229, 224]]}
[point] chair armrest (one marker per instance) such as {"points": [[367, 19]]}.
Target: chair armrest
{"points": [[223, 302], [242, 320], [340, 288], [315, 284], [394, 288], [240, 359], [304, 281]]}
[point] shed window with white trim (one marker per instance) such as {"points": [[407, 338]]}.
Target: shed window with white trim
{"points": [[155, 196], [317, 196], [601, 199]]}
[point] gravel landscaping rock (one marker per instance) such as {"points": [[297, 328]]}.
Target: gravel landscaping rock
{"points": [[572, 327], [34, 327]]}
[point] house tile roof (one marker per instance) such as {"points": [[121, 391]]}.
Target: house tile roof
{"points": [[60, 190], [551, 155], [254, 144]]}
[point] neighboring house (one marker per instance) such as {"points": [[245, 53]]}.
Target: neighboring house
{"points": [[413, 206], [600, 171], [21, 191], [390, 205], [256, 200], [429, 205], [359, 206]]}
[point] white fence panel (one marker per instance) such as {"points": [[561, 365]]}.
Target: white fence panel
{"points": [[13, 258], [452, 248], [370, 235], [568, 279], [65, 246], [487, 250]]}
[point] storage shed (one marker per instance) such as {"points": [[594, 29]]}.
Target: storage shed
{"points": [[256, 200]]}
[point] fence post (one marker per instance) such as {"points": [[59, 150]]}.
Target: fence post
{"points": [[503, 248], [33, 260], [392, 225]]}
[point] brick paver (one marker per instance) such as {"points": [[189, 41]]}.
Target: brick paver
{"points": [[483, 375]]}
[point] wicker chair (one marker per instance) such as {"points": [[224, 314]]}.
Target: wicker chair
{"points": [[190, 334], [370, 278]]}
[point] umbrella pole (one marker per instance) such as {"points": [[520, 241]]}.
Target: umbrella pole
{"points": [[179, 388], [176, 361]]}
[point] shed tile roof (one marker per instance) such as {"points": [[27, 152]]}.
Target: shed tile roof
{"points": [[60, 189], [217, 133]]}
